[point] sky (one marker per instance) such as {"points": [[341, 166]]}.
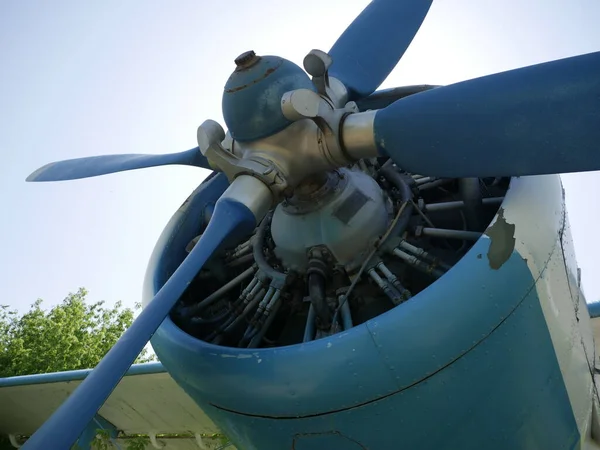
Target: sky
{"points": [[92, 78]]}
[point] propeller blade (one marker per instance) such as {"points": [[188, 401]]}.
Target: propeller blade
{"points": [[94, 166], [369, 49], [541, 119], [230, 222]]}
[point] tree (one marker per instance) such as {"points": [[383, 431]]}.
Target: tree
{"points": [[72, 335]]}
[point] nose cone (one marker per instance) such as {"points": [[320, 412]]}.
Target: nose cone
{"points": [[252, 95]]}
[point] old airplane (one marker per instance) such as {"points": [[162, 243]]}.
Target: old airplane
{"points": [[371, 269]]}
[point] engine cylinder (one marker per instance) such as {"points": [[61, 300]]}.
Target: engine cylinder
{"points": [[347, 222]]}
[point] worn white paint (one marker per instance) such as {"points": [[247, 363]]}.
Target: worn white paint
{"points": [[535, 205]]}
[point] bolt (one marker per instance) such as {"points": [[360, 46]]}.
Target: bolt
{"points": [[246, 60]]}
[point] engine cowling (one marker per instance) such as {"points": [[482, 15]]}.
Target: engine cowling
{"points": [[391, 364]]}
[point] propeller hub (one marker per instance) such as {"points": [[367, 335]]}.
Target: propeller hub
{"points": [[252, 95]]}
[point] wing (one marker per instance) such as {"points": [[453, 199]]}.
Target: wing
{"points": [[146, 401]]}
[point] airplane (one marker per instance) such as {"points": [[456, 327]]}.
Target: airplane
{"points": [[371, 269]]}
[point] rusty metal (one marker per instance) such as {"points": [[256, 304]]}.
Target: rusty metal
{"points": [[246, 60]]}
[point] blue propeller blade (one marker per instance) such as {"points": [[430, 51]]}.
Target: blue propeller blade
{"points": [[540, 119], [230, 222], [369, 49], [94, 166]]}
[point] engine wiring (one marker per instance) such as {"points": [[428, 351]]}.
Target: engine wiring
{"points": [[367, 260], [257, 295]]}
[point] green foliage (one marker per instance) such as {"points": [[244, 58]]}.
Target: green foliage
{"points": [[223, 440], [72, 335], [138, 443], [141, 441], [102, 440]]}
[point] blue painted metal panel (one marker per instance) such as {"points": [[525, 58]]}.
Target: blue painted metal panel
{"points": [[505, 393], [323, 375], [75, 375], [451, 316], [435, 328], [494, 382]]}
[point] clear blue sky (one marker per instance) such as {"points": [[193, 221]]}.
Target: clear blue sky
{"points": [[88, 78]]}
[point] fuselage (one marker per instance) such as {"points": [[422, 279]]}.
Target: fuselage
{"points": [[497, 354]]}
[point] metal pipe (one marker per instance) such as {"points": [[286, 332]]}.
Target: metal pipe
{"points": [[394, 177], [265, 315], [252, 295], [388, 289], [424, 180], [256, 340], [405, 293], [316, 291], [417, 263], [363, 166], [309, 329], [236, 317], [240, 250], [239, 306], [272, 302], [259, 257], [265, 301], [252, 329], [251, 305], [222, 291], [451, 234], [345, 313], [240, 261], [422, 214], [356, 278], [435, 184], [446, 206], [471, 195], [420, 253]]}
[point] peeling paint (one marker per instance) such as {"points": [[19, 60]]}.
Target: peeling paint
{"points": [[502, 237], [268, 72]]}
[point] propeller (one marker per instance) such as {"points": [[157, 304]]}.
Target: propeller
{"points": [[369, 49], [94, 166], [363, 57], [231, 221], [540, 119]]}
